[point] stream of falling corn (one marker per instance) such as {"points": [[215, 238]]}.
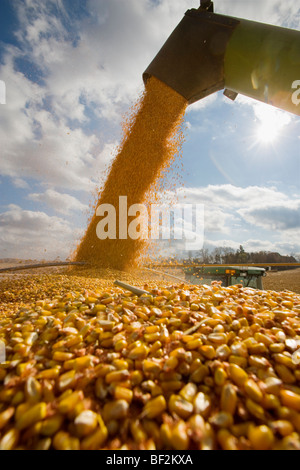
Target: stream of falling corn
{"points": [[152, 138]]}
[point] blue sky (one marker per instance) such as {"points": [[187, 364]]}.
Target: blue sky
{"points": [[73, 68]]}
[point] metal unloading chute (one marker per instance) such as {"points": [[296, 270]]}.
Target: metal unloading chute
{"points": [[208, 52]]}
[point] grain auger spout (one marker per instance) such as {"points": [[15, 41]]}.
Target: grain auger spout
{"points": [[208, 52]]}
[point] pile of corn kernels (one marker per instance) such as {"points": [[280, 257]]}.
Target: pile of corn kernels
{"points": [[183, 367]]}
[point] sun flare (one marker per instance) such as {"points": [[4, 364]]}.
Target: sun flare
{"points": [[270, 123]]}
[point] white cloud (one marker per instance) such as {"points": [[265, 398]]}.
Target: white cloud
{"points": [[270, 215], [95, 75], [229, 196], [269, 11], [29, 234], [20, 183], [201, 104], [274, 217], [61, 203]]}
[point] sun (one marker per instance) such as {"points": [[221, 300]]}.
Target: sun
{"points": [[270, 123]]}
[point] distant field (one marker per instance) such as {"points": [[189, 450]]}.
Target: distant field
{"points": [[282, 280]]}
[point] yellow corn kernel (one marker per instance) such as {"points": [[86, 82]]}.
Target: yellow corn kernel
{"points": [[218, 338], [277, 347], [21, 409], [116, 409], [258, 361], [49, 373], [241, 429], [196, 425], [253, 391], [63, 441], [208, 351], [85, 423], [258, 348], [102, 369], [140, 352], [154, 407], [199, 374], [34, 414], [151, 367], [152, 337], [166, 434], [255, 409], [272, 385], [60, 344], [220, 376], [290, 399], [67, 380], [136, 377], [285, 360], [202, 404], [51, 425], [62, 356], [285, 374], [5, 416], [228, 398], [155, 347], [223, 352], [283, 427], [101, 390], [2, 373], [79, 363], [221, 419], [270, 401], [237, 374], [122, 393], [239, 349], [138, 433], [171, 385], [18, 398], [188, 392], [73, 341], [180, 406], [226, 440], [120, 364], [69, 402], [24, 367], [196, 363], [152, 429], [261, 437], [262, 338], [193, 344], [33, 390], [238, 360], [30, 338], [116, 376], [99, 308], [43, 444], [120, 344], [170, 364], [179, 436], [10, 440]]}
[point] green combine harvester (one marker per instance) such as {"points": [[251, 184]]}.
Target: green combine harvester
{"points": [[228, 275]]}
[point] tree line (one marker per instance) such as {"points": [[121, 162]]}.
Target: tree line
{"points": [[227, 255]]}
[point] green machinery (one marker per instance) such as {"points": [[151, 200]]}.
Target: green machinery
{"points": [[208, 52], [228, 275]]}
